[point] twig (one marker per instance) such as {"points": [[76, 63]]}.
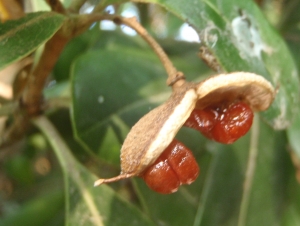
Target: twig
{"points": [[56, 6], [175, 78], [32, 96], [251, 165], [173, 74]]}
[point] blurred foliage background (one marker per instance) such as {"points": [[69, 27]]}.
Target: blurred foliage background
{"points": [[107, 77]]}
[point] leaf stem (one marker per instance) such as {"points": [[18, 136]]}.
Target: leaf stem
{"points": [[206, 190], [173, 74], [175, 78], [61, 152], [68, 163], [251, 166]]}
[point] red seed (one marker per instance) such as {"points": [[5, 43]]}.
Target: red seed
{"points": [[175, 166], [225, 123], [161, 178], [236, 123], [202, 120], [182, 162]]}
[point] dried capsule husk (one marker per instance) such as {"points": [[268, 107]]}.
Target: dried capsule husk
{"points": [[250, 88], [149, 137]]}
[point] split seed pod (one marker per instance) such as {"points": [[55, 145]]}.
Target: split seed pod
{"points": [[150, 136]]}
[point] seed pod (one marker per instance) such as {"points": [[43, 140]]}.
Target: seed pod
{"points": [[154, 132], [149, 137]]}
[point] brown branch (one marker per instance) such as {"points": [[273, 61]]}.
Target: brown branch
{"points": [[56, 6], [173, 74], [32, 96], [175, 78]]}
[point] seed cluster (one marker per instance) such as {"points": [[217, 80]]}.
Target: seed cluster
{"points": [[224, 123], [220, 107]]}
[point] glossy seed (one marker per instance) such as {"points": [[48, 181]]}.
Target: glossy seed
{"points": [[236, 123], [224, 123], [175, 166], [161, 178], [182, 161]]}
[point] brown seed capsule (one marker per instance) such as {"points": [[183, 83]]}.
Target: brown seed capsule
{"points": [[150, 136], [154, 132], [250, 88]]}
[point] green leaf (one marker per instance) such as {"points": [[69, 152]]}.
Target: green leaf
{"points": [[91, 39], [291, 214], [291, 217], [293, 37], [20, 169], [290, 16], [111, 143], [293, 136], [85, 204], [108, 83], [270, 182], [241, 39], [20, 37]]}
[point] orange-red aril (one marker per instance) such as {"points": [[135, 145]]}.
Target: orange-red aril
{"points": [[202, 120], [224, 124], [236, 123], [174, 167], [161, 178], [182, 161]]}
